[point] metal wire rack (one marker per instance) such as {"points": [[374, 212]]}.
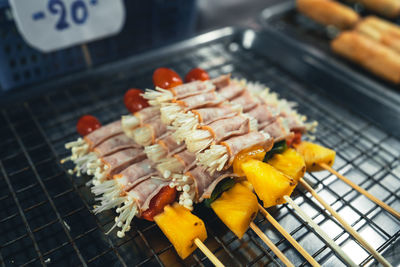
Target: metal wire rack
{"points": [[46, 218]]}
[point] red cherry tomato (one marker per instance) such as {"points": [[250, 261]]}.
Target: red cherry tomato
{"points": [[134, 101], [295, 140], [166, 196], [87, 124], [166, 78], [196, 74]]}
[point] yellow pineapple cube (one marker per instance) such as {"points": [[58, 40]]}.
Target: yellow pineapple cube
{"points": [[256, 152], [269, 184], [290, 162], [314, 154], [236, 208], [181, 228]]}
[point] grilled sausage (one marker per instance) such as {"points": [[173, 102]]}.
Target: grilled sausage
{"points": [[370, 54], [387, 8], [382, 31], [328, 12]]}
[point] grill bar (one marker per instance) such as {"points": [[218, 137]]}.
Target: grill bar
{"points": [[87, 207], [35, 186]]}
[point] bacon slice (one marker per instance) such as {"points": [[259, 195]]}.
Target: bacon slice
{"points": [[166, 146], [187, 159], [114, 144], [170, 111], [198, 101], [116, 162], [210, 188], [149, 132], [218, 131], [294, 123], [137, 201], [179, 163], [246, 100], [208, 115], [131, 122], [135, 174], [147, 114], [192, 88], [279, 129], [205, 182], [231, 91], [112, 192], [221, 81], [225, 128], [239, 143], [144, 192], [170, 145], [219, 157], [263, 114], [98, 136]]}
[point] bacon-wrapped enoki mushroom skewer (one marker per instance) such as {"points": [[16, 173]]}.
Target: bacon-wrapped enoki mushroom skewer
{"points": [[134, 193], [220, 130], [130, 122], [112, 191], [81, 149], [293, 123], [218, 157], [196, 118], [165, 146], [198, 184], [107, 166]]}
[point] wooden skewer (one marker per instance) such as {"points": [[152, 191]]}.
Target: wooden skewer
{"points": [[346, 226], [208, 253], [270, 244], [362, 191], [324, 235], [288, 237]]}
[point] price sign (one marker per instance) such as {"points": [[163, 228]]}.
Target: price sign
{"points": [[49, 25]]}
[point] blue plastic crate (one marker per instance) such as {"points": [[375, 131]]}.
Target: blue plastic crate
{"points": [[148, 24]]}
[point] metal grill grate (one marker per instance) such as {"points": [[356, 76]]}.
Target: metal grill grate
{"points": [[45, 213], [287, 19]]}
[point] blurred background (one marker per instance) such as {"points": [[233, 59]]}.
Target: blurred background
{"points": [[148, 25]]}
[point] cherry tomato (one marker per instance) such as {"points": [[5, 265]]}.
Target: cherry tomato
{"points": [[134, 101], [166, 78], [295, 140], [166, 196], [196, 74], [87, 124]]}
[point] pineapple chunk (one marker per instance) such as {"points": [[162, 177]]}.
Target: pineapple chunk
{"points": [[181, 228], [290, 162], [236, 207], [256, 152], [269, 184], [314, 154]]}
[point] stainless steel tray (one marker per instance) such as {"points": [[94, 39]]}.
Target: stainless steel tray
{"points": [[301, 46], [45, 215]]}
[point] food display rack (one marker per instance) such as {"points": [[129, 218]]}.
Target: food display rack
{"points": [[307, 55], [46, 214]]}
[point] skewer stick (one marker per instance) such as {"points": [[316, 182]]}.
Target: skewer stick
{"points": [[362, 191], [346, 226], [321, 232], [270, 244], [208, 253], [288, 237]]}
